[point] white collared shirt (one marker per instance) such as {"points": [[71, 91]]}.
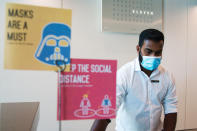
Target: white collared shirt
{"points": [[139, 98]]}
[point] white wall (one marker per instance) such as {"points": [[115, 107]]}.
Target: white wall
{"points": [[175, 31], [191, 106], [89, 42]]}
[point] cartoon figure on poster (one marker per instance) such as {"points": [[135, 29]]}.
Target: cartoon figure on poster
{"points": [[85, 110], [106, 110], [55, 44], [106, 103], [85, 104]]}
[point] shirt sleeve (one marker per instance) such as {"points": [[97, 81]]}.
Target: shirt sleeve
{"points": [[170, 101], [120, 88]]}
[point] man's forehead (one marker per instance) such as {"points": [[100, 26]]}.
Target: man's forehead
{"points": [[152, 44]]}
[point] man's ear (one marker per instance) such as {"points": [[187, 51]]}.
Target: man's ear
{"points": [[138, 48]]}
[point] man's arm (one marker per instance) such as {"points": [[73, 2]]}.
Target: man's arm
{"points": [[170, 122], [170, 106], [100, 125]]}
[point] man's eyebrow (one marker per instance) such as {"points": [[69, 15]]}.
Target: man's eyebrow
{"points": [[153, 50], [148, 49]]}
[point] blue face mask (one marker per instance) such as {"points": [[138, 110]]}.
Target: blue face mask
{"points": [[150, 63]]}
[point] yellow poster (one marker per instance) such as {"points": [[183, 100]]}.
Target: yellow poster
{"points": [[37, 37]]}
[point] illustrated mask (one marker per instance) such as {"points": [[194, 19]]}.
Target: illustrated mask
{"points": [[55, 44]]}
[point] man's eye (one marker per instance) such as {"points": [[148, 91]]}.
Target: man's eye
{"points": [[158, 53], [149, 52]]}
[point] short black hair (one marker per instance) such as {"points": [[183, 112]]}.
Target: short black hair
{"points": [[150, 34]]}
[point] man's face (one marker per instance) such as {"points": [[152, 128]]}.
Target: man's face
{"points": [[151, 48]]}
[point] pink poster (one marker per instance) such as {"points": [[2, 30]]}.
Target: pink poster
{"points": [[88, 91]]}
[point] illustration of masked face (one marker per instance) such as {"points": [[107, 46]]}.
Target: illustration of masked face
{"points": [[55, 44]]}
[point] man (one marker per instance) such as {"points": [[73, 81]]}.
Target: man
{"points": [[143, 88]]}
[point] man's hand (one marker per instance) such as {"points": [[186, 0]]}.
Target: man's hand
{"points": [[170, 122], [100, 125]]}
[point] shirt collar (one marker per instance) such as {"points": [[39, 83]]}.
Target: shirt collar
{"points": [[137, 64]]}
